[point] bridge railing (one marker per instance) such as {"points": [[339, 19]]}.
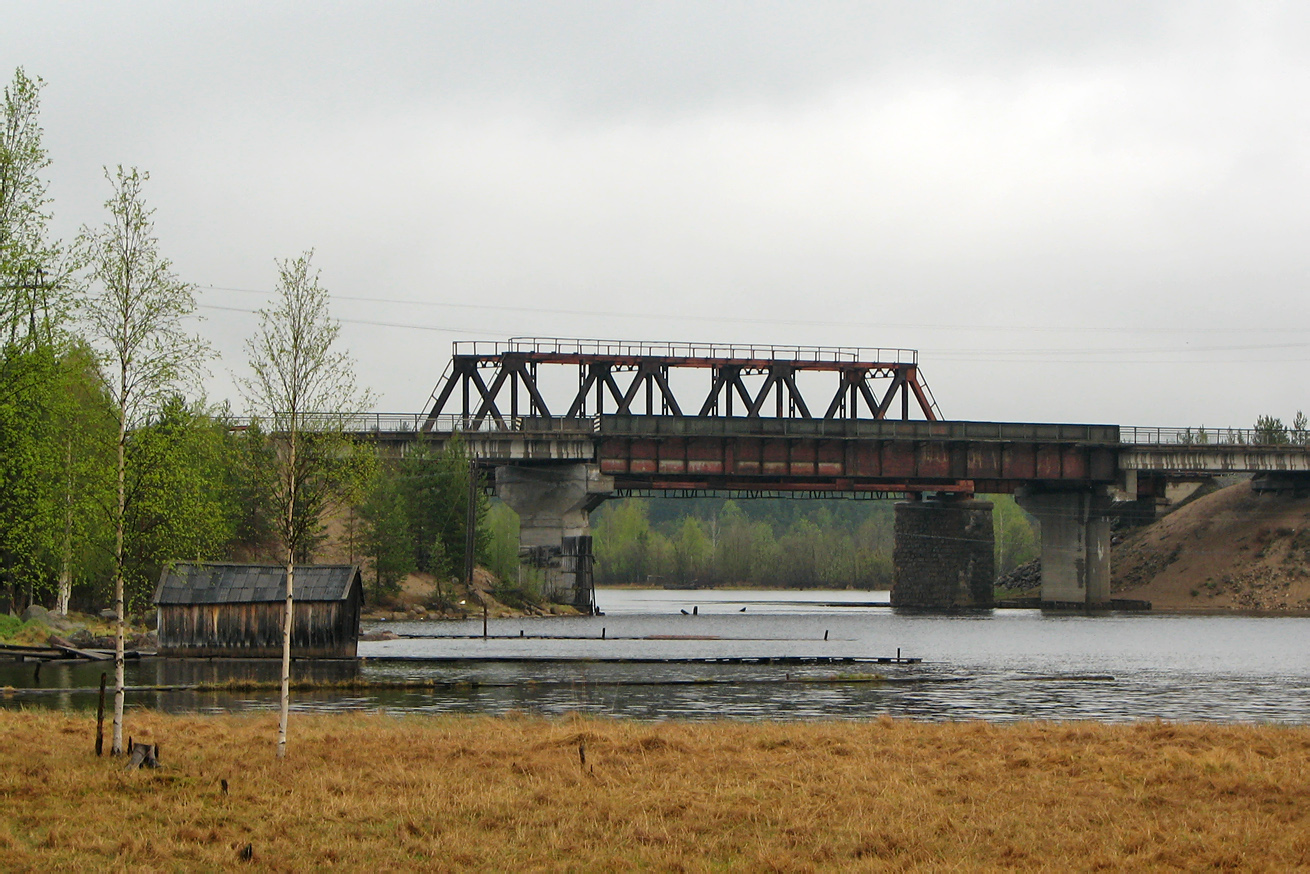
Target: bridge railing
{"points": [[350, 422], [413, 423], [514, 424], [890, 429], [1202, 436], [403, 423], [679, 350]]}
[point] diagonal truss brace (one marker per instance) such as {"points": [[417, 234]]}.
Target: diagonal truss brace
{"points": [[602, 380]]}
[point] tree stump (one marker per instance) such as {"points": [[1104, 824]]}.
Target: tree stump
{"points": [[141, 755]]}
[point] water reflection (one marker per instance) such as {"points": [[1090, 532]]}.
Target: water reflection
{"points": [[1000, 665]]}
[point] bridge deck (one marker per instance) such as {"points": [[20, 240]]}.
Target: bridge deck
{"points": [[685, 453]]}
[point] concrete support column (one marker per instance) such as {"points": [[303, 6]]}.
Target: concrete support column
{"points": [[554, 503], [943, 554], [1075, 544]]}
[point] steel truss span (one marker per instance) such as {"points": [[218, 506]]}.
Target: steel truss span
{"points": [[499, 381]]}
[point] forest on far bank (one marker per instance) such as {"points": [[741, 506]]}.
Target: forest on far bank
{"points": [[769, 542]]}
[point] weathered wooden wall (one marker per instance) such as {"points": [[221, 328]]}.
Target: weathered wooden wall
{"points": [[319, 629]]}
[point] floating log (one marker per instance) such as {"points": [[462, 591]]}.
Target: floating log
{"points": [[89, 654], [20, 652]]}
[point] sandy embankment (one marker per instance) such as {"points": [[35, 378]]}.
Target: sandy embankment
{"points": [[1234, 549]]}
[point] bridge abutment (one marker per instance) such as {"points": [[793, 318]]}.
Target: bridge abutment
{"points": [[1075, 544], [554, 504], [943, 554]]}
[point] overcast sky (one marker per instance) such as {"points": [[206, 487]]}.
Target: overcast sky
{"points": [[1086, 214]]}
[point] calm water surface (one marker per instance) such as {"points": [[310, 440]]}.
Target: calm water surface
{"points": [[994, 665]]}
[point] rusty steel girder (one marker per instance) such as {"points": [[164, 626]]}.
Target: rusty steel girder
{"points": [[852, 465], [496, 382]]}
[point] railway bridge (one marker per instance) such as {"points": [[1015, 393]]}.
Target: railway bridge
{"points": [[566, 424]]}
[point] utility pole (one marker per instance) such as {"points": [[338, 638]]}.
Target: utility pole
{"points": [[470, 526]]}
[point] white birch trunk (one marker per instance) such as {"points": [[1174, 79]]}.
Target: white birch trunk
{"points": [[66, 559], [116, 747], [289, 612], [286, 659]]}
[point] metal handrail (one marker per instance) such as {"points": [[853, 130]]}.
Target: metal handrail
{"points": [[350, 422], [686, 350], [409, 423], [1156, 436], [403, 423]]}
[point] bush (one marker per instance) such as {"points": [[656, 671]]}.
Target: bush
{"points": [[10, 626], [519, 595]]}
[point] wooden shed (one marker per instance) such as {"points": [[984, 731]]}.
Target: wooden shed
{"points": [[235, 610]]}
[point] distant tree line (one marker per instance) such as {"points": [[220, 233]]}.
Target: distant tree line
{"points": [[768, 542]]}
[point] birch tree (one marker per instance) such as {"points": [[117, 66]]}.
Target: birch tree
{"points": [[304, 389], [49, 397], [135, 315], [29, 263]]}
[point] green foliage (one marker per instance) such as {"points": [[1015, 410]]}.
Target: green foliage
{"points": [[28, 525], [256, 522], [182, 490], [518, 585], [33, 300], [691, 551], [1017, 540], [331, 470], [387, 533], [55, 430], [627, 550], [1270, 431], [521, 593], [11, 625], [759, 542], [502, 525], [415, 518], [435, 485], [784, 542]]}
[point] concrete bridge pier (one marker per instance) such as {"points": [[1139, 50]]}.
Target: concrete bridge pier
{"points": [[1075, 543], [554, 503], [943, 554]]}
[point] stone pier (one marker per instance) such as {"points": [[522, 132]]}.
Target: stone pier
{"points": [[1075, 544], [944, 553], [554, 503]]}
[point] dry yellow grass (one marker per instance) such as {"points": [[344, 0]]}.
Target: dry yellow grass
{"points": [[369, 792]]}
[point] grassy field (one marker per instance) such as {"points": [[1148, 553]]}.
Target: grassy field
{"points": [[371, 792]]}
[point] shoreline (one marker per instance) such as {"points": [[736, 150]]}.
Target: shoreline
{"points": [[1293, 613]]}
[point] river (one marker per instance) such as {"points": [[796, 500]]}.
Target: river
{"points": [[780, 654]]}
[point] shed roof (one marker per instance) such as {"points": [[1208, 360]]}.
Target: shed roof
{"points": [[214, 583]]}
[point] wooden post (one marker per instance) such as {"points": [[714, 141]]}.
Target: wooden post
{"points": [[100, 717]]}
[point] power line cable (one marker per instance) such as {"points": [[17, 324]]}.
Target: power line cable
{"points": [[1029, 356], [690, 317]]}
